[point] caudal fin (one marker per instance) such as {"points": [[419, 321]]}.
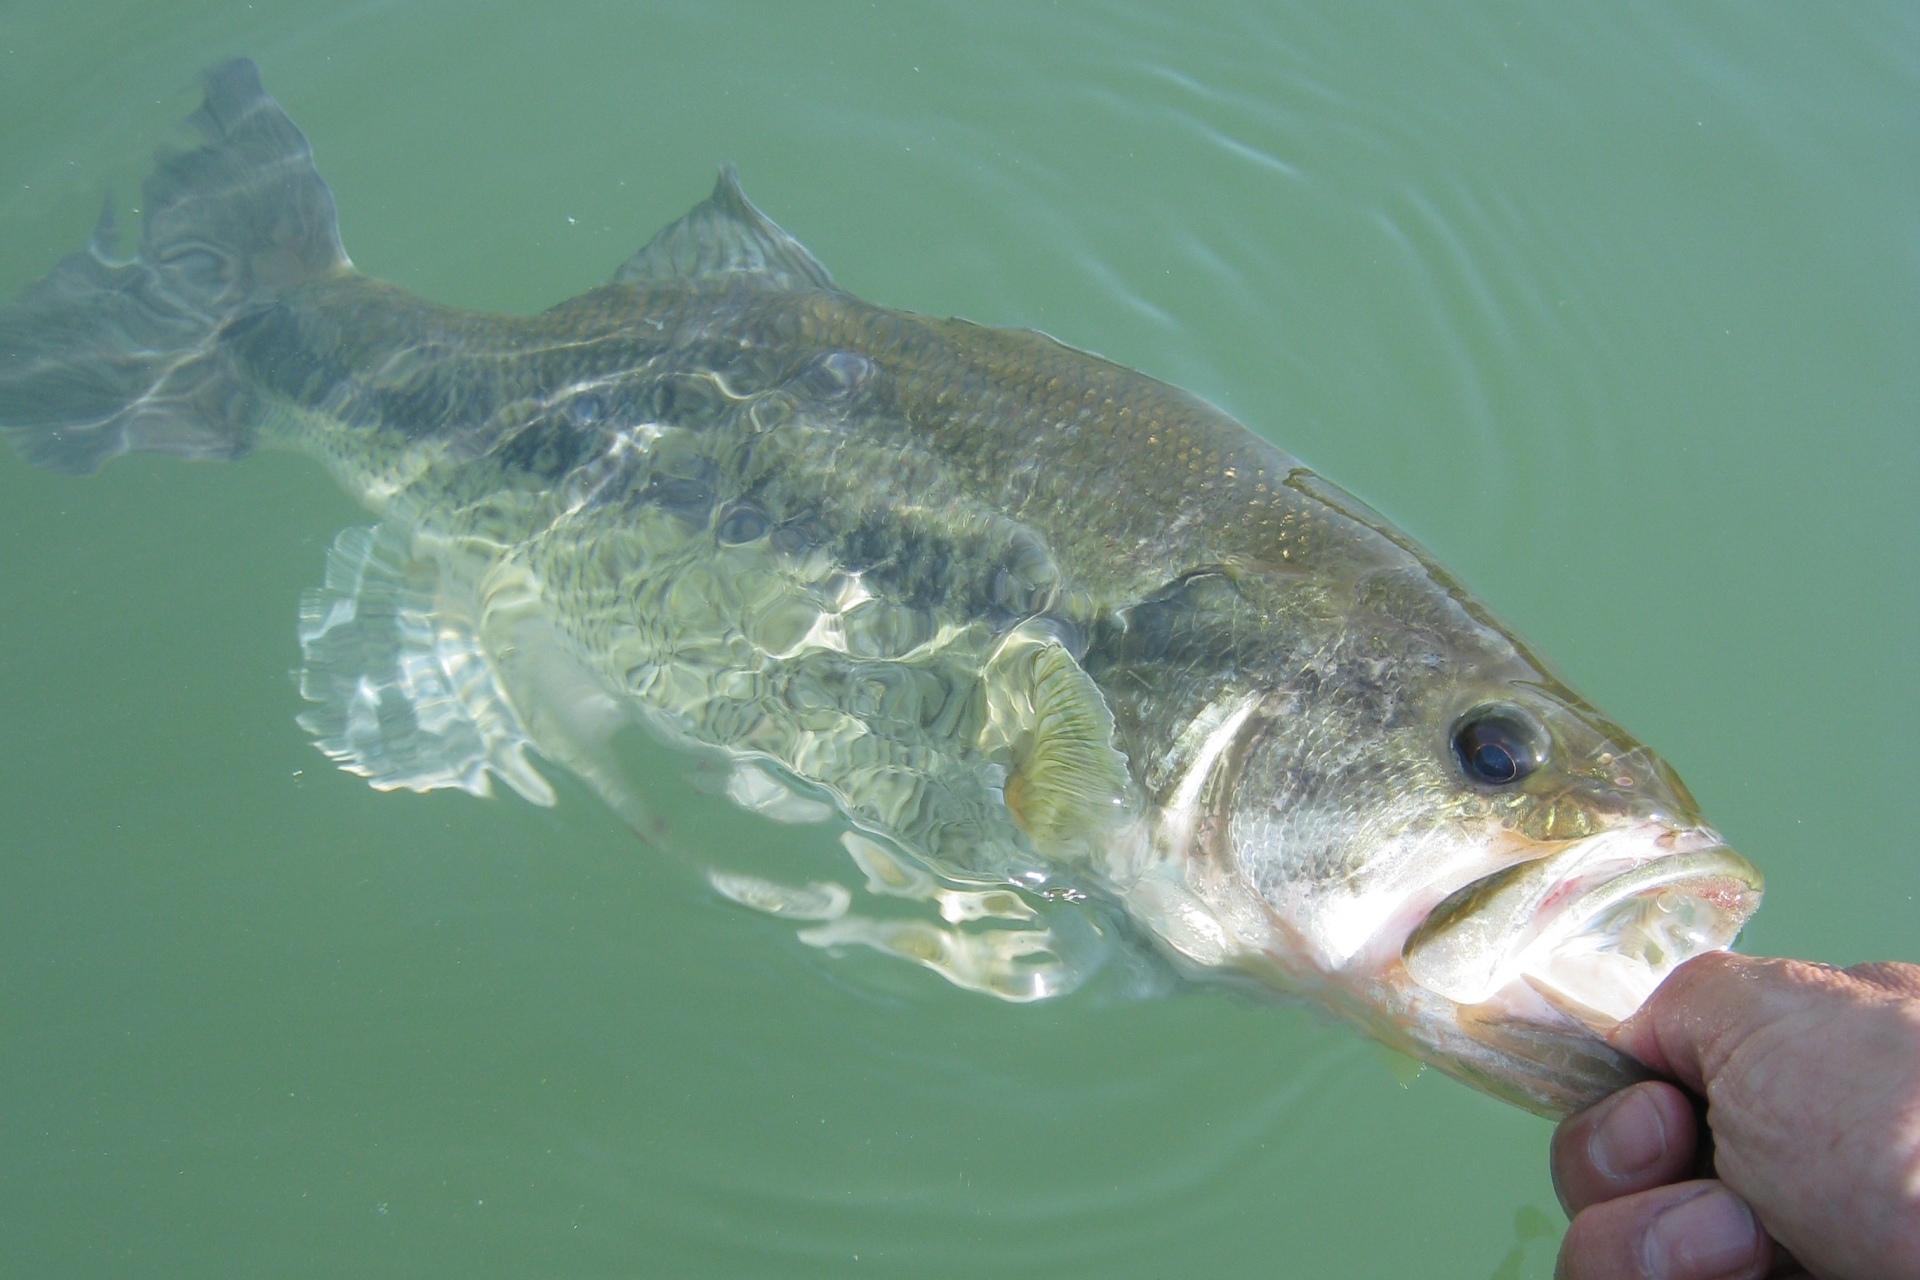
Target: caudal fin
{"points": [[103, 357]]}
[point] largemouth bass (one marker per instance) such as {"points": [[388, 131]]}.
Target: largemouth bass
{"points": [[1036, 627]]}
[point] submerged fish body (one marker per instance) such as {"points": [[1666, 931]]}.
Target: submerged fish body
{"points": [[1029, 621]]}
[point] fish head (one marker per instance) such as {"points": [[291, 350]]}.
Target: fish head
{"points": [[1469, 859]]}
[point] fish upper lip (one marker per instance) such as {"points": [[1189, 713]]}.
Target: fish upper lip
{"points": [[1585, 897], [1527, 921]]}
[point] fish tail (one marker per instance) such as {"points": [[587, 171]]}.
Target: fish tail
{"points": [[105, 356]]}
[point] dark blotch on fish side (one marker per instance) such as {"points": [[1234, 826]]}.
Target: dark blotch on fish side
{"points": [[546, 448], [682, 496], [1190, 615], [585, 410], [626, 400], [740, 522], [1023, 584], [797, 536], [438, 393], [772, 411], [270, 340], [837, 375], [901, 561], [691, 400]]}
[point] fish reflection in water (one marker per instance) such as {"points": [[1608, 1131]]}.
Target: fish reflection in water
{"points": [[1061, 644]]}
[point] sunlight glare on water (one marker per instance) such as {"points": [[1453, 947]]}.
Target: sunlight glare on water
{"points": [[1612, 307]]}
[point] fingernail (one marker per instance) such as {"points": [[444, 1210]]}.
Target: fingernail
{"points": [[1630, 1138], [1710, 1237]]}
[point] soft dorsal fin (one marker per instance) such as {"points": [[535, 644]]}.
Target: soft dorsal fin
{"points": [[726, 233]]}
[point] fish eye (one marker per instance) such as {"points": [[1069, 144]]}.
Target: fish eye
{"points": [[1497, 745]]}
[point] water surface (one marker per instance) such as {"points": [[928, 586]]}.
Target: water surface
{"points": [[1612, 307]]}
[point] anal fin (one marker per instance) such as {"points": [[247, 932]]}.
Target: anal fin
{"points": [[1049, 954], [754, 788], [406, 696]]}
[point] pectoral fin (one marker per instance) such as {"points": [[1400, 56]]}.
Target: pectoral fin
{"points": [[406, 695], [1016, 964], [1066, 781]]}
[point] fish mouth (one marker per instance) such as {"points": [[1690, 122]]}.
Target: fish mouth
{"points": [[1592, 929]]}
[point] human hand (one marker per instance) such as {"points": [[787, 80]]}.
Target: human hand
{"points": [[1811, 1077]]}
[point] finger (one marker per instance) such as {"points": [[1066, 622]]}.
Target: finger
{"points": [[1901, 979], [1644, 1136], [1696, 1019], [1687, 1231]]}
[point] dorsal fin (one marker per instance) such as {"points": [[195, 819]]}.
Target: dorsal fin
{"points": [[726, 233]]}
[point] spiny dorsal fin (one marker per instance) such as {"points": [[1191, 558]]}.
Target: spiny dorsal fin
{"points": [[726, 233]]}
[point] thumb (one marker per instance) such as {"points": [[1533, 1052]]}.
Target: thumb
{"points": [[1707, 1008]]}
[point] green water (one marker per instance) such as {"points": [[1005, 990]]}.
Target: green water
{"points": [[1615, 308]]}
